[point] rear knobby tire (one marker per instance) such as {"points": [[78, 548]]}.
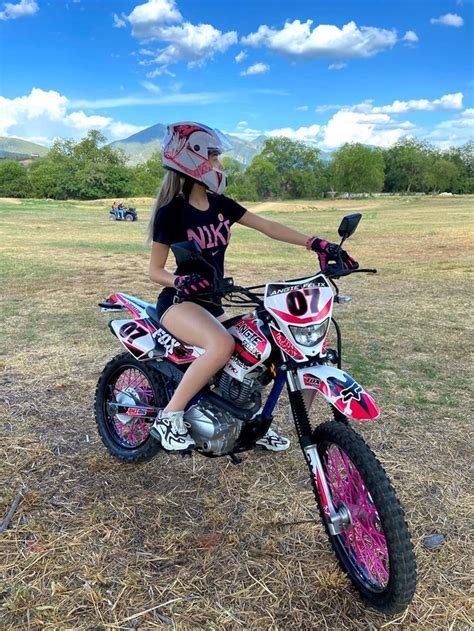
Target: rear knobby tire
{"points": [[396, 592], [143, 447]]}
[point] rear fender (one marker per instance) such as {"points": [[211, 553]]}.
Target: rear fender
{"points": [[340, 390], [136, 336], [133, 305]]}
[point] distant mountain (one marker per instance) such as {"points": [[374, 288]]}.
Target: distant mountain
{"points": [[16, 148], [140, 146]]}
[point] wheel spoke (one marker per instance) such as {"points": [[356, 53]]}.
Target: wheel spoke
{"points": [[131, 387], [364, 541]]}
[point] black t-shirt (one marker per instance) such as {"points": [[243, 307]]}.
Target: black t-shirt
{"points": [[179, 221]]}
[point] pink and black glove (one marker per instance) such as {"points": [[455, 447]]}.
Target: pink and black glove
{"points": [[328, 251], [191, 285]]}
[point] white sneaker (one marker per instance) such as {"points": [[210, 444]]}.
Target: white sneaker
{"points": [[273, 441], [172, 432]]}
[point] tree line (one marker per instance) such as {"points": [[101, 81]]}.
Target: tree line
{"points": [[286, 169]]}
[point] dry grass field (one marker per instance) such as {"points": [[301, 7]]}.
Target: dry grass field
{"points": [[203, 544]]}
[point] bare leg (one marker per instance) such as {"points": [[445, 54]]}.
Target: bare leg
{"points": [[194, 325]]}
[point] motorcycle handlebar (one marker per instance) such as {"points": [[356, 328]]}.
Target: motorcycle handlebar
{"points": [[227, 286], [337, 272]]}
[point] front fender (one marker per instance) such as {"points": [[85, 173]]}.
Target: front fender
{"points": [[340, 390]]}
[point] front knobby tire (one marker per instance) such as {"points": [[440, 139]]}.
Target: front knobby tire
{"points": [[126, 380], [376, 549]]}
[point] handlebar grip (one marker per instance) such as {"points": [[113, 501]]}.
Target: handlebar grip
{"points": [[116, 306], [333, 273]]}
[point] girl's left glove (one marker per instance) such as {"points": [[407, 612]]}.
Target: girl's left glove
{"points": [[328, 251], [191, 285]]}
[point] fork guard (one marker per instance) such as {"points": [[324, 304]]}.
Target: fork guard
{"points": [[340, 390]]}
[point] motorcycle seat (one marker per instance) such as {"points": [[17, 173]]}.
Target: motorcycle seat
{"points": [[151, 311]]}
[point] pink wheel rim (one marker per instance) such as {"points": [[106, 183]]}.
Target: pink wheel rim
{"points": [[364, 540], [136, 431]]}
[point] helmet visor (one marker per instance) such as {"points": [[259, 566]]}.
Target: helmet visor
{"points": [[223, 144]]}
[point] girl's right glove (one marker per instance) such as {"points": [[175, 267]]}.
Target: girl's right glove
{"points": [[328, 251], [191, 285]]}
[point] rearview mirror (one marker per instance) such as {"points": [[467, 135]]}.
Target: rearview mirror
{"points": [[349, 225]]}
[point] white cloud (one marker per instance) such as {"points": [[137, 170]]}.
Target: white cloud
{"points": [[242, 124], [306, 134], [170, 98], [378, 125], [345, 126], [302, 108], [371, 129], [158, 72], [449, 19], [410, 37], [446, 102], [240, 57], [35, 105], [119, 22], [118, 130], [455, 131], [151, 87], [257, 68], [246, 133], [296, 39], [339, 65], [161, 21], [44, 115], [147, 19], [192, 43], [22, 9], [321, 109], [82, 122]]}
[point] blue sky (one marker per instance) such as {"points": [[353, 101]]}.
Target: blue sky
{"points": [[325, 72]]}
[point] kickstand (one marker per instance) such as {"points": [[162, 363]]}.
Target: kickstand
{"points": [[235, 459]]}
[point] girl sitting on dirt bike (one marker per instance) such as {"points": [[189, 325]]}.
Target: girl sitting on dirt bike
{"points": [[191, 206]]}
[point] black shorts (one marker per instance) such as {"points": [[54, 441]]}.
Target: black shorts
{"points": [[166, 300]]}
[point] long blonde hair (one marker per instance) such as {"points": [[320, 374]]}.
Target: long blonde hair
{"points": [[171, 186]]}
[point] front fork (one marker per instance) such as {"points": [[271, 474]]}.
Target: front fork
{"points": [[339, 518]]}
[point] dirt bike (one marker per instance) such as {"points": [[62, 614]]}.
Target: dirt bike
{"points": [[283, 340]]}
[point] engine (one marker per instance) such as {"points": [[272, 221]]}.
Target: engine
{"points": [[215, 430], [246, 393]]}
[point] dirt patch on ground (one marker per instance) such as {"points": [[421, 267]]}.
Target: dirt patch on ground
{"points": [[10, 200]]}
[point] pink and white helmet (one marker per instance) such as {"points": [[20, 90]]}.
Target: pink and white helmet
{"points": [[186, 148]]}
